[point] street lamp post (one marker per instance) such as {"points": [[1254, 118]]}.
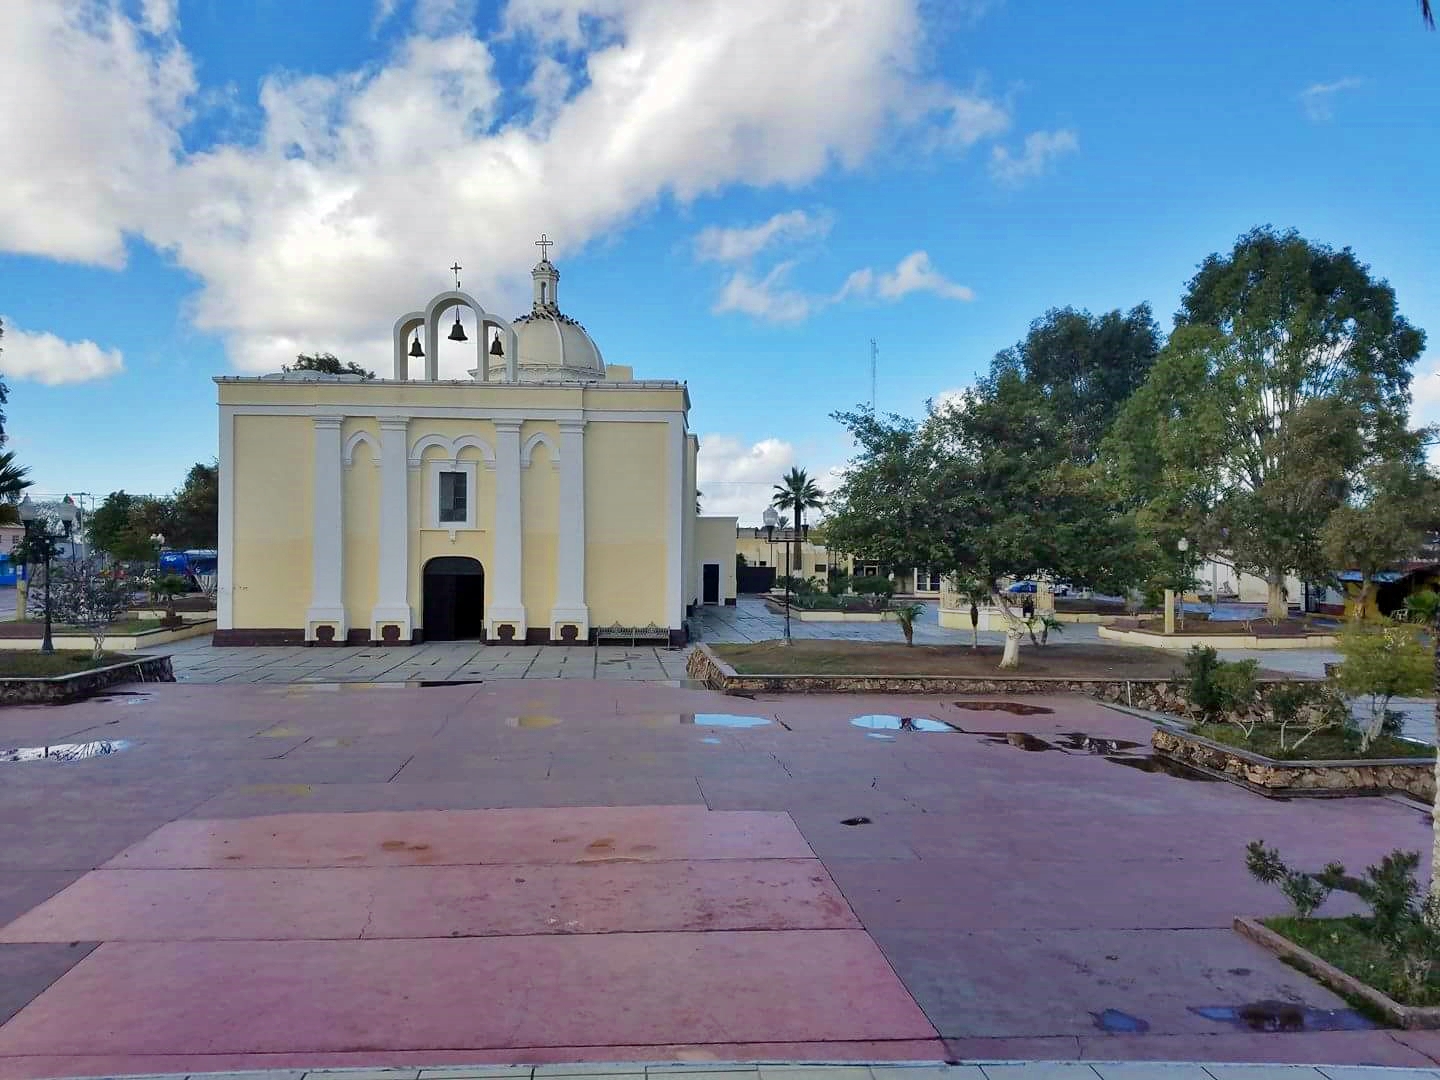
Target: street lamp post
{"points": [[158, 539], [771, 519], [1182, 545]]}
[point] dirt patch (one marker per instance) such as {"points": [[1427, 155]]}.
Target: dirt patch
{"points": [[831, 657]]}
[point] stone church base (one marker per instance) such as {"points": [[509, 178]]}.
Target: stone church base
{"points": [[263, 636]]}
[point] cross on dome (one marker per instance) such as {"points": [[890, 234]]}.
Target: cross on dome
{"points": [[544, 244]]}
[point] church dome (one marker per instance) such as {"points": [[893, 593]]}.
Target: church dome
{"points": [[551, 346]]}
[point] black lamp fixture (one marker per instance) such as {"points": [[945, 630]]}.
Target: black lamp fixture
{"points": [[415, 347]]}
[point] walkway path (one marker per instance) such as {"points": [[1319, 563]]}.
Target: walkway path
{"points": [[383, 874]]}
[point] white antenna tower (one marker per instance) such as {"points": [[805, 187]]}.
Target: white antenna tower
{"points": [[874, 357]]}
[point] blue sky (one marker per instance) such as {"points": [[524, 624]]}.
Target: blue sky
{"points": [[742, 194]]}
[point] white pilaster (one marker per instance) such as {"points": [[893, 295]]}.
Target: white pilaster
{"points": [[570, 608], [675, 512], [327, 578], [502, 581], [392, 601], [225, 570]]}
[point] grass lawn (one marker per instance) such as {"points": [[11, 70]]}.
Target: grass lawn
{"points": [[33, 665], [832, 657], [1324, 746], [1348, 944]]}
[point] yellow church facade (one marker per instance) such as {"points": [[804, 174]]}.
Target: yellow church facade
{"points": [[550, 498]]}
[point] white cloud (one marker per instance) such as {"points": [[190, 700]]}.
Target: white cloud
{"points": [[718, 244], [738, 478], [90, 108], [914, 273], [951, 398], [362, 186], [1318, 98], [1039, 150], [44, 358], [764, 298]]}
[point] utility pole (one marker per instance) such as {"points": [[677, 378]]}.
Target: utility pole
{"points": [[874, 358]]}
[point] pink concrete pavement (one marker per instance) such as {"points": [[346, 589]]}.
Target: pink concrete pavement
{"points": [[438, 902], [584, 990], [1017, 895]]}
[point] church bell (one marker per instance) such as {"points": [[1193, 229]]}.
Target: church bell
{"points": [[415, 349], [496, 349], [457, 332]]}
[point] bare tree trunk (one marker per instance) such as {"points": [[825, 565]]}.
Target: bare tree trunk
{"points": [[1276, 606], [1015, 628]]}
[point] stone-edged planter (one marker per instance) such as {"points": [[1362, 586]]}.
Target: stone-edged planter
{"points": [[1155, 695], [1402, 1016], [1286, 778], [113, 642], [830, 614], [1155, 639], [61, 689]]}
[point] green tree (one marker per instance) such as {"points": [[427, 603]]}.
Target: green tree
{"points": [[1381, 662], [109, 525], [984, 490], [796, 491], [328, 364], [1394, 505], [1085, 367], [1288, 370], [196, 508]]}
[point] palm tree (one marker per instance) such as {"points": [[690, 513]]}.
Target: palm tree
{"points": [[798, 492], [1427, 13], [13, 480]]}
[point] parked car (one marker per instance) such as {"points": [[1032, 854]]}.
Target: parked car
{"points": [[1060, 588]]}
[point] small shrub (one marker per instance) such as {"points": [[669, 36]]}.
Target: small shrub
{"points": [[905, 615], [882, 588], [1306, 892], [1302, 710], [1382, 661], [1222, 690], [838, 584]]}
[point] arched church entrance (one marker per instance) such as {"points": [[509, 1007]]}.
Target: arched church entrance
{"points": [[453, 599]]}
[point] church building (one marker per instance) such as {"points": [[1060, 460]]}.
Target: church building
{"points": [[549, 498]]}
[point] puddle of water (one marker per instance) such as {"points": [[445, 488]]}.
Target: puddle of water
{"points": [[338, 742], [304, 687], [1013, 707], [1284, 1016], [535, 721], [1161, 765], [65, 751], [1078, 741], [719, 720], [856, 821], [883, 722], [879, 735], [1116, 1021], [122, 697], [1022, 740], [711, 740]]}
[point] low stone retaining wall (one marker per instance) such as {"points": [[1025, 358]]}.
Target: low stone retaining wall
{"points": [[1184, 642], [113, 642], [1269, 776], [83, 684], [1155, 695], [1413, 1017]]}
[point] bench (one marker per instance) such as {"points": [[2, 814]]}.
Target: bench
{"points": [[633, 635]]}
